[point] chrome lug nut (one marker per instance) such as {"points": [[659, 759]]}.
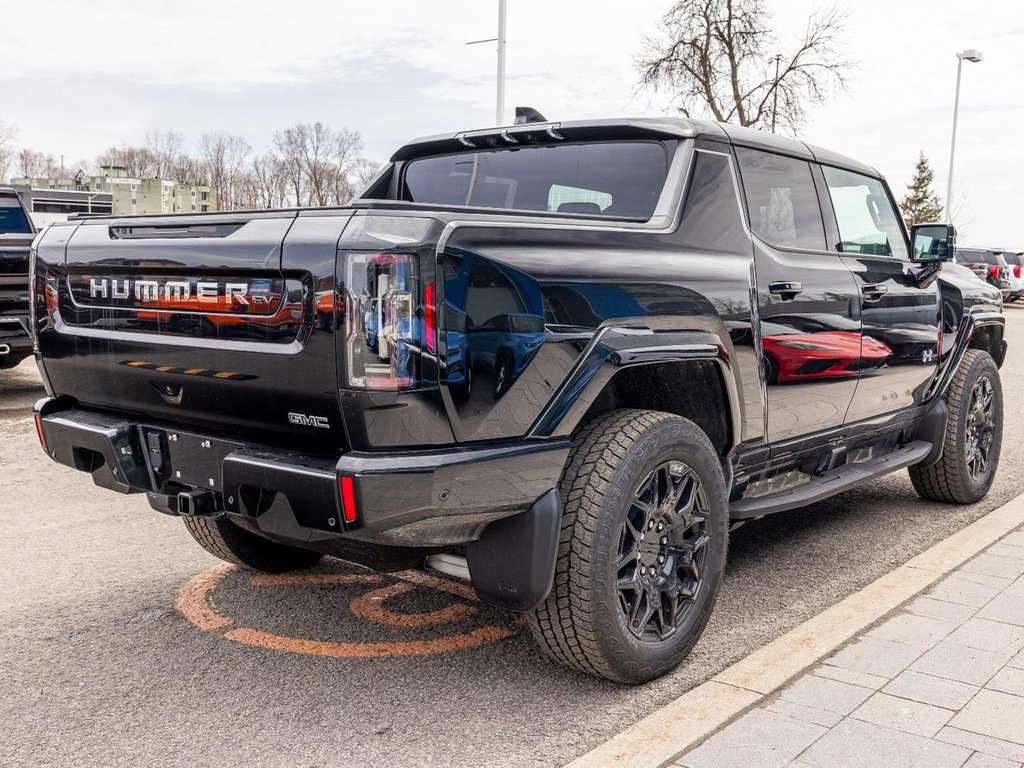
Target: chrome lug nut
{"points": [[664, 539]]}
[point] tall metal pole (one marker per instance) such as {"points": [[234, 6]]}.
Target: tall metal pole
{"points": [[500, 110], [952, 143]]}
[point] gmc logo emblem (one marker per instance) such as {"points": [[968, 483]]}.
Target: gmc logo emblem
{"points": [[309, 421]]}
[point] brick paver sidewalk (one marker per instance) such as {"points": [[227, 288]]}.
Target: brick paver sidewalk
{"points": [[936, 684]]}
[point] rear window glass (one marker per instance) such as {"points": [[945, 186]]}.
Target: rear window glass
{"points": [[622, 179], [976, 257], [12, 217]]}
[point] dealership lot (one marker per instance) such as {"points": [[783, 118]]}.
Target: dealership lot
{"points": [[122, 642]]}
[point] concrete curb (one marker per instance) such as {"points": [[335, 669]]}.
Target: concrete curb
{"points": [[691, 718]]}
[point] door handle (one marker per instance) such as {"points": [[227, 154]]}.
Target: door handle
{"points": [[874, 291], [785, 288]]}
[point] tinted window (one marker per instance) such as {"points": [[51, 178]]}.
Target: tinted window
{"points": [[612, 179], [12, 217], [868, 222], [781, 199], [711, 218]]}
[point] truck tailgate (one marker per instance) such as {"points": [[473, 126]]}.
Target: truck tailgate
{"points": [[199, 320]]}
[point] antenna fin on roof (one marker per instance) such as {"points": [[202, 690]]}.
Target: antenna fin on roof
{"points": [[529, 115]]}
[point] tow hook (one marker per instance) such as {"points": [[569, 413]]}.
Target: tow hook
{"points": [[197, 504]]}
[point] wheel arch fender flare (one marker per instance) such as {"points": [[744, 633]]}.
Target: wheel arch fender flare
{"points": [[629, 343]]}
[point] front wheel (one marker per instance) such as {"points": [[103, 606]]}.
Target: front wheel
{"points": [[642, 547], [973, 436]]}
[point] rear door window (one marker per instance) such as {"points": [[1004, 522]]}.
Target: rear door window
{"points": [[867, 220], [782, 201], [619, 179]]}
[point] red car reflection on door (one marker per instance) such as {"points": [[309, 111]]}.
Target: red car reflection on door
{"points": [[793, 356]]}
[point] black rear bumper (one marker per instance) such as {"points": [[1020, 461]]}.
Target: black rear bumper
{"points": [[402, 501]]}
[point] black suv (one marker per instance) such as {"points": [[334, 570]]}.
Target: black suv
{"points": [[992, 267], [564, 357]]}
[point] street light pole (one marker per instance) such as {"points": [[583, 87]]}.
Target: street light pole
{"points": [[500, 40], [500, 109], [974, 56]]}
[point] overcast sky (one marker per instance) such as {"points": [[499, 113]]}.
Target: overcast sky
{"points": [[77, 77]]}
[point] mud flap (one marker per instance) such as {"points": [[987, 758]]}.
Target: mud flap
{"points": [[512, 564]]}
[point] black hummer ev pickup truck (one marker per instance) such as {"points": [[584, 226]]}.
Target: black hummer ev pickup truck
{"points": [[565, 355], [16, 236]]}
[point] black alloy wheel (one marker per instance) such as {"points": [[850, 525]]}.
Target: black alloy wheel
{"points": [[662, 551], [980, 432]]}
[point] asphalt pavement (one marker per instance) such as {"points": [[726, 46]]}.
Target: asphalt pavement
{"points": [[123, 643]]}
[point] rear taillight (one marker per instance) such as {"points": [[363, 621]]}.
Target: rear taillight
{"points": [[430, 316], [380, 320], [39, 431], [994, 272], [1016, 270], [348, 499]]}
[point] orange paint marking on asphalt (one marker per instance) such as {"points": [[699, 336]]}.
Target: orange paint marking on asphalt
{"points": [[442, 585], [195, 600], [370, 606], [307, 579], [478, 637]]}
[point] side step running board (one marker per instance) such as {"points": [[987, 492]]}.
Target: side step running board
{"points": [[830, 483]]}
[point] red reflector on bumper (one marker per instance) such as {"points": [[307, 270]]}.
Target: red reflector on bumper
{"points": [[348, 499], [39, 430]]}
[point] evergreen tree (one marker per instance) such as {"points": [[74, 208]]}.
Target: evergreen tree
{"points": [[921, 205]]}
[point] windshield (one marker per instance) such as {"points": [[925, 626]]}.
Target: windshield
{"points": [[12, 217], [620, 179]]}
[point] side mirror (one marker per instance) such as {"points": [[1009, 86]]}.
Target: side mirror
{"points": [[932, 243]]}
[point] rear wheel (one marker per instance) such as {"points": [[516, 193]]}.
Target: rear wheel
{"points": [[222, 538], [642, 547], [973, 436]]}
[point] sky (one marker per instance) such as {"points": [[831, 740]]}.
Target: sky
{"points": [[77, 77]]}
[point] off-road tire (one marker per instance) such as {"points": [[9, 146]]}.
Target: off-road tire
{"points": [[949, 479], [581, 623], [222, 538]]}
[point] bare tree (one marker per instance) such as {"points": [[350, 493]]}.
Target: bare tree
{"points": [[223, 156], [186, 169], [363, 172], [32, 164], [290, 145], [7, 134], [139, 162], [318, 162], [271, 181], [720, 58], [166, 148]]}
